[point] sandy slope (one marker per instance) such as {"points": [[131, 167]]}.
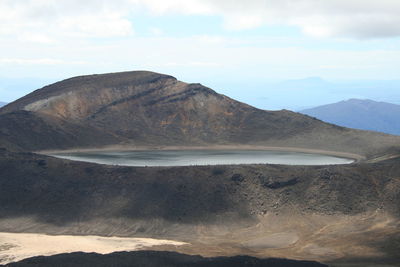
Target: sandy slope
{"points": [[18, 246]]}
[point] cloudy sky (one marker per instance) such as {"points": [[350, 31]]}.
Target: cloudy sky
{"points": [[224, 44]]}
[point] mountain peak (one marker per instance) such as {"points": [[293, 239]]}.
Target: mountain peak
{"points": [[365, 114], [358, 100], [147, 108], [75, 95]]}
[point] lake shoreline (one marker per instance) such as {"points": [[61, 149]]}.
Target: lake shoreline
{"points": [[201, 157], [355, 157]]}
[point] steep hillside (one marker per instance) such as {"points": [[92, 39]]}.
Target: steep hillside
{"points": [[28, 130], [199, 194], [324, 213], [145, 108], [360, 114]]}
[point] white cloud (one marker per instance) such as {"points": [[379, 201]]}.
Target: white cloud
{"points": [[321, 18], [193, 60], [242, 22], [348, 18], [187, 7], [105, 25], [210, 39], [335, 18], [110, 18], [59, 33], [36, 38], [44, 20], [201, 64], [155, 31]]}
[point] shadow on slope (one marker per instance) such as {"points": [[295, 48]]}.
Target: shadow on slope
{"points": [[60, 192], [156, 259]]}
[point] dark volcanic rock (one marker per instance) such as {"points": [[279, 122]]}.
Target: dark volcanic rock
{"points": [[25, 129], [58, 192], [237, 177], [156, 259], [280, 184]]}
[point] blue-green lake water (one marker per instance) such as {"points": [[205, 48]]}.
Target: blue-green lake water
{"points": [[202, 157]]}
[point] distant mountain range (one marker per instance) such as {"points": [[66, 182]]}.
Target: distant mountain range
{"points": [[299, 94], [2, 103], [360, 114]]}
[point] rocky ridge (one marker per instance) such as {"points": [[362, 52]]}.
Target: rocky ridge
{"points": [[150, 109]]}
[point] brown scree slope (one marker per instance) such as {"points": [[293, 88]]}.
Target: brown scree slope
{"points": [[149, 109]]}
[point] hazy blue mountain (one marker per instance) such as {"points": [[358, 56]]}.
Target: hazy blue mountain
{"points": [[360, 114], [2, 103], [299, 94]]}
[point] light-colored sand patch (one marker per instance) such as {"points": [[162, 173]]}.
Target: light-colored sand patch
{"points": [[320, 251], [18, 246], [277, 240]]}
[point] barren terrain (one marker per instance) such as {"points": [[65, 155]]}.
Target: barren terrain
{"points": [[344, 215], [18, 246]]}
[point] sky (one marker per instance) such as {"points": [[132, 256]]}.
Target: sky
{"points": [[253, 50]]}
